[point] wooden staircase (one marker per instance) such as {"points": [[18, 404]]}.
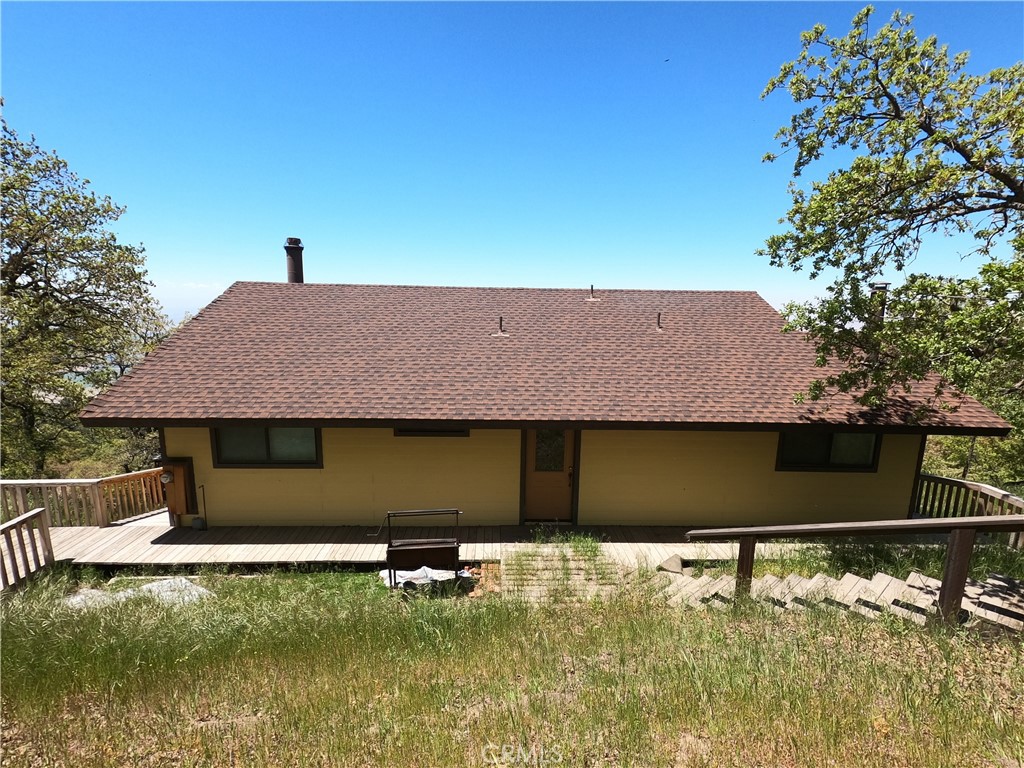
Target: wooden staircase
{"points": [[998, 600], [539, 572]]}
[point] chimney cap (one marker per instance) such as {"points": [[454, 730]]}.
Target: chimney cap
{"points": [[294, 241]]}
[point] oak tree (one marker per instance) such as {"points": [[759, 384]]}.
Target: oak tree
{"points": [[75, 305], [915, 148]]}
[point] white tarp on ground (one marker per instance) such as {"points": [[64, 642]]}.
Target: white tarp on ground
{"points": [[176, 591], [422, 575]]}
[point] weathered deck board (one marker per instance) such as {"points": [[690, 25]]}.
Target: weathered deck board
{"points": [[108, 546], [335, 549], [72, 540], [358, 545]]}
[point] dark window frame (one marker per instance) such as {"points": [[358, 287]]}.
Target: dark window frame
{"points": [[873, 467], [318, 463], [536, 448], [455, 432]]}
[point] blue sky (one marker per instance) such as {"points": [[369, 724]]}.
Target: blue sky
{"points": [[531, 144]]}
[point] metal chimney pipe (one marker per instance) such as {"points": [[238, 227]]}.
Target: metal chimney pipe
{"points": [[882, 290], [293, 248]]}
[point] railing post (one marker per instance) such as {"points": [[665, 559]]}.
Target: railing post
{"points": [[44, 534], [745, 566], [21, 497], [954, 575], [99, 506]]}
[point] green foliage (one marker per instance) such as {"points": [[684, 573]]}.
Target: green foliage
{"points": [[992, 460], [107, 451], [76, 311], [935, 151]]}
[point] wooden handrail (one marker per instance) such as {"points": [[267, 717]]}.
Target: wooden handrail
{"points": [[25, 547], [961, 531], [862, 528], [48, 481], [130, 475]]}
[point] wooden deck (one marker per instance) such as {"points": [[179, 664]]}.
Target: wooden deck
{"points": [[151, 544]]}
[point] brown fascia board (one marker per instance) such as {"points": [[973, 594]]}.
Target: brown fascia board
{"points": [[717, 426]]}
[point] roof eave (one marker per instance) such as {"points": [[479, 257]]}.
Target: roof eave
{"points": [[718, 426]]}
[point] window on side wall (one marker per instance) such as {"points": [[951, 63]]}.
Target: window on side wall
{"points": [[266, 447], [828, 451]]}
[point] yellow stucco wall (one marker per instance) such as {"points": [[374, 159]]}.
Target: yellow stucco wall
{"points": [[649, 477], [659, 477], [366, 473]]}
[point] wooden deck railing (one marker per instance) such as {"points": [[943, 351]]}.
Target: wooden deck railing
{"points": [[950, 497], [962, 532], [135, 493], [24, 547], [99, 501]]}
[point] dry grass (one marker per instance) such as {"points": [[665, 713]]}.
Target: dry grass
{"points": [[330, 669]]}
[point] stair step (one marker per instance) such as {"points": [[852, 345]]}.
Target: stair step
{"points": [[871, 599], [887, 593], [777, 593], [791, 586], [1006, 613], [707, 592], [676, 583], [817, 591], [912, 604], [1005, 584], [812, 591], [761, 589], [973, 590], [924, 584], [1001, 602], [659, 580], [999, 599], [723, 595], [845, 592], [683, 595]]}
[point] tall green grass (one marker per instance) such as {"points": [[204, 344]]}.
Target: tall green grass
{"points": [[332, 669], [866, 557]]}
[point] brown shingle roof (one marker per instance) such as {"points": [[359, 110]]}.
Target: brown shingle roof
{"points": [[366, 352]]}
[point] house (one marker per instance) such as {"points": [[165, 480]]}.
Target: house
{"points": [[296, 403]]}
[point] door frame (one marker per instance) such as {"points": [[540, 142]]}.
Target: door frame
{"points": [[575, 497]]}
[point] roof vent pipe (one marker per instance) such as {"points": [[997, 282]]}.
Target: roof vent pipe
{"points": [[293, 248], [501, 328]]}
